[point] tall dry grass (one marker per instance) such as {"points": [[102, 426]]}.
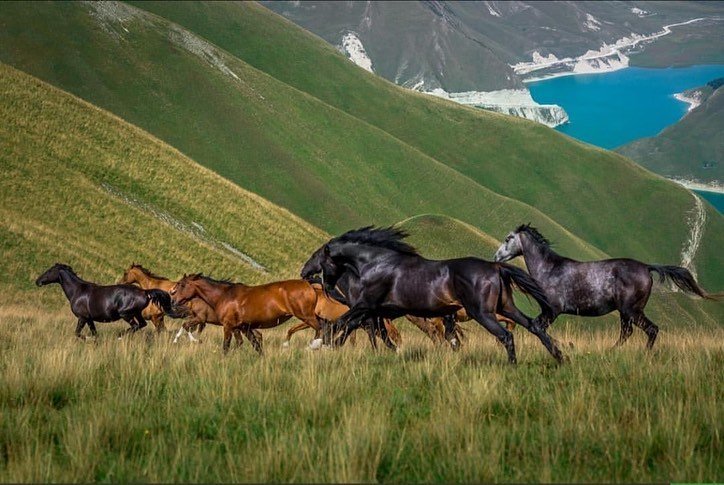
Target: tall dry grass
{"points": [[143, 409]]}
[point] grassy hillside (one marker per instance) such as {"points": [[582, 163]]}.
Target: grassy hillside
{"points": [[595, 194], [692, 148], [329, 167], [83, 187]]}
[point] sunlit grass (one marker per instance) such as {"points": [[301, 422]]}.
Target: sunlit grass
{"points": [[143, 408]]}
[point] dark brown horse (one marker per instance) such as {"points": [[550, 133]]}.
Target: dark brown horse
{"points": [[96, 303], [246, 308], [394, 280]]}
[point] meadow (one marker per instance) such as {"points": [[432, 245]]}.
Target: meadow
{"points": [[144, 409]]}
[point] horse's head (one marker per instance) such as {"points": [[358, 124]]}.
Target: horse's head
{"points": [[313, 266], [511, 247], [185, 289], [131, 275], [52, 275]]}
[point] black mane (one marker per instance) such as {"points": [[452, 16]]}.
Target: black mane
{"points": [[383, 237], [534, 233], [148, 272], [209, 279]]}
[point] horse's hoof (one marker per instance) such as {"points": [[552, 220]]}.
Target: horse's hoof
{"points": [[285, 344], [316, 344]]}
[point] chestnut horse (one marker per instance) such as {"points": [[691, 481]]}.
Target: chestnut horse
{"points": [[200, 312], [245, 308], [330, 310]]}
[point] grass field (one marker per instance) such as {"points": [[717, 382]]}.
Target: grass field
{"points": [[143, 409]]}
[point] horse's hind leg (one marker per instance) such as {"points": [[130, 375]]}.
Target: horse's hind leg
{"points": [[255, 342], [513, 313], [651, 329], [140, 323], [239, 339], [157, 321], [488, 321], [91, 324], [450, 331], [626, 329], [296, 328]]}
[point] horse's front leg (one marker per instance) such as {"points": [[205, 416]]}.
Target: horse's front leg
{"points": [[79, 328], [350, 321]]}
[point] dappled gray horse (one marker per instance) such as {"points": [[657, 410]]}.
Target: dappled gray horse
{"points": [[592, 288]]}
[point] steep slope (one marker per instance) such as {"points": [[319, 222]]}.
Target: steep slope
{"points": [[691, 149], [83, 187], [329, 167], [594, 193]]}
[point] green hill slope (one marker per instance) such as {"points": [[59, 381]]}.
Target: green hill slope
{"points": [[327, 166], [691, 148], [86, 188], [441, 237], [594, 193], [340, 147]]}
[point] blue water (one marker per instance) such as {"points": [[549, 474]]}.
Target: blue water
{"points": [[611, 109], [716, 199]]}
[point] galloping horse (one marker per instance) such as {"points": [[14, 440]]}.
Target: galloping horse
{"points": [[592, 288], [395, 280], [95, 303], [245, 308], [200, 312]]}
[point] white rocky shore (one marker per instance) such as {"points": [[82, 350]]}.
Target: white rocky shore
{"points": [[608, 58], [715, 186], [692, 98], [515, 102]]}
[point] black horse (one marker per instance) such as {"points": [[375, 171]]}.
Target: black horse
{"points": [[592, 288], [395, 281], [346, 290], [95, 303]]}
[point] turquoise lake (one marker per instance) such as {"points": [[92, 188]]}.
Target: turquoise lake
{"points": [[612, 109]]}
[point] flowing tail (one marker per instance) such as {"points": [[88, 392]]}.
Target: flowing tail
{"points": [[163, 300], [682, 278], [526, 284]]}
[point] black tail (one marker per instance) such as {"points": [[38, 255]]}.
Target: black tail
{"points": [[163, 299], [681, 278], [525, 283]]}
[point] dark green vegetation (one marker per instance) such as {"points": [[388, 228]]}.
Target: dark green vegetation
{"points": [[281, 113], [82, 186], [693, 147]]}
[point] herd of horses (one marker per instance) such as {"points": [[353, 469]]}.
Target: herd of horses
{"points": [[368, 277]]}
